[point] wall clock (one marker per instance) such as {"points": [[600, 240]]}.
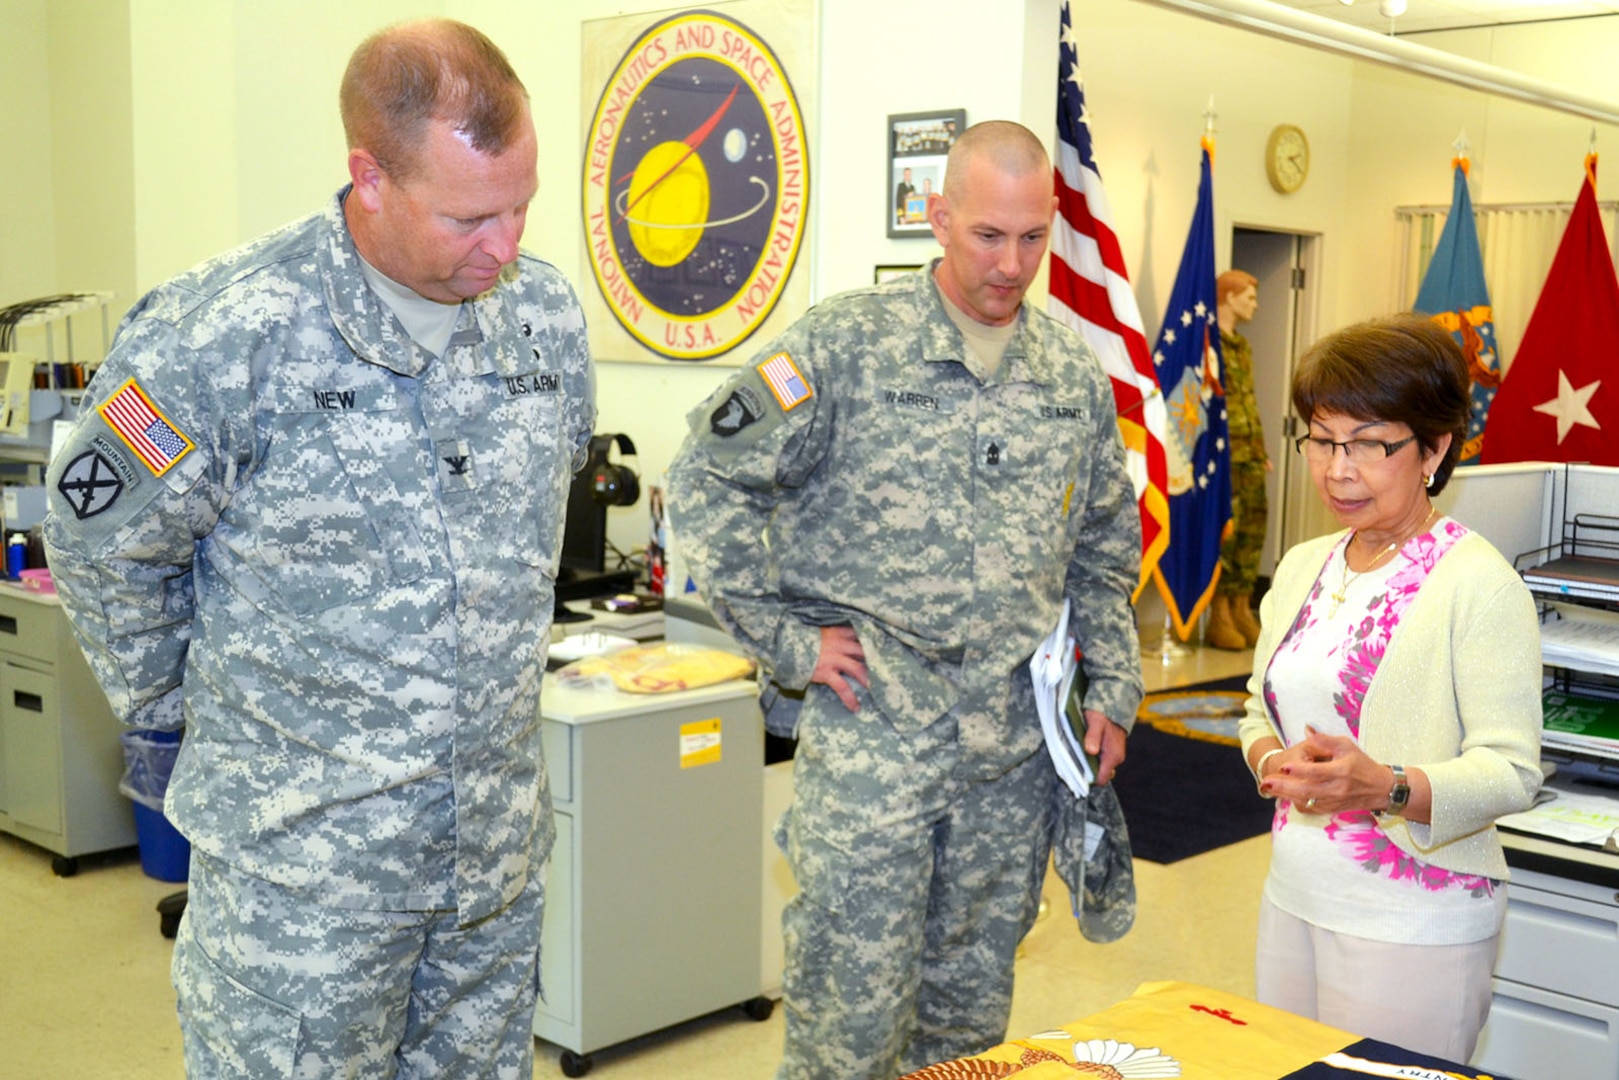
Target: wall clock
{"points": [[1287, 158]]}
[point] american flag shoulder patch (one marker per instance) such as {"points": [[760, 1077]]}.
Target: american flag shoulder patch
{"points": [[785, 381], [145, 430]]}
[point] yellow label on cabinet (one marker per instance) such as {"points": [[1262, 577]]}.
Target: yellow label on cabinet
{"points": [[700, 743]]}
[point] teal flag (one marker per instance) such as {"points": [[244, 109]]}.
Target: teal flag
{"points": [[1455, 296]]}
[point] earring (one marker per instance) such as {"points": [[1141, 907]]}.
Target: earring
{"points": [[1427, 481]]}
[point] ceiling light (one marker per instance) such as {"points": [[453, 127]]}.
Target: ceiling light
{"points": [[1391, 8]]}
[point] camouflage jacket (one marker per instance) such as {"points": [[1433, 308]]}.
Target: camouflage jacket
{"points": [[1242, 406], [331, 556], [862, 470]]}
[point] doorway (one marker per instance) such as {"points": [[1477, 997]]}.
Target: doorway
{"points": [[1286, 265]]}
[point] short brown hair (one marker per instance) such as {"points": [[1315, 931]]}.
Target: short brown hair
{"points": [[403, 77], [1232, 281], [1400, 369], [1010, 147]]}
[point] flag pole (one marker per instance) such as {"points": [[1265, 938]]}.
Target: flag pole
{"points": [[1169, 649]]}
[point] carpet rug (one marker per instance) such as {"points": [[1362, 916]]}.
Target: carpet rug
{"points": [[1184, 787]]}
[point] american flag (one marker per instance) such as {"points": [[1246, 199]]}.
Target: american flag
{"points": [[1090, 291], [131, 414], [1190, 369], [785, 381]]}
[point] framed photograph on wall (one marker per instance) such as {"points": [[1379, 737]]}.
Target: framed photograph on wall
{"points": [[917, 145]]}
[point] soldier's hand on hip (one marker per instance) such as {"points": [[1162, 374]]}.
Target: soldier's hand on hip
{"points": [[841, 659]]}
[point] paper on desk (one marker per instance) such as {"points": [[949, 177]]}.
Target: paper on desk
{"points": [[1053, 669], [1586, 644], [1570, 816], [589, 644]]}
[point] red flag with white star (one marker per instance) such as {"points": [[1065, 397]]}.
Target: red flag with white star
{"points": [[1560, 399]]}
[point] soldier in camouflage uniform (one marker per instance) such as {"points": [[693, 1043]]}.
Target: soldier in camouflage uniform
{"points": [[313, 515], [1232, 624], [888, 507]]}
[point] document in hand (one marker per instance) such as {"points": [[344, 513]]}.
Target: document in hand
{"points": [[1059, 691]]}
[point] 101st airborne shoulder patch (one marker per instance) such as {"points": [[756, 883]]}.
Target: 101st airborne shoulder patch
{"points": [[736, 412]]}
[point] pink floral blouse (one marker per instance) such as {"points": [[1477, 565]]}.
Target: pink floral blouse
{"points": [[1342, 871]]}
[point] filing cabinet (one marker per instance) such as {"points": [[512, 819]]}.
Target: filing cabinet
{"points": [[1554, 1012], [60, 759], [652, 903]]}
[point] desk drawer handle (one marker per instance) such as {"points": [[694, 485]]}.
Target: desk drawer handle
{"points": [[8, 624], [24, 700]]}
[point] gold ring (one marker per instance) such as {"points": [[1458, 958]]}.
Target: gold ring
{"points": [[1309, 804]]}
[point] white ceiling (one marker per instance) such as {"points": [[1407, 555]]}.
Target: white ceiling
{"points": [[1451, 14]]}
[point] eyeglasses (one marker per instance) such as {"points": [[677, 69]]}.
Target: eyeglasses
{"points": [[1357, 451]]}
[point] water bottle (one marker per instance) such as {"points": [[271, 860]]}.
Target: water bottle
{"points": [[16, 555]]}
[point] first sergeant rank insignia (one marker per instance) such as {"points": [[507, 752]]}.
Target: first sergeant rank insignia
{"points": [[90, 484]]}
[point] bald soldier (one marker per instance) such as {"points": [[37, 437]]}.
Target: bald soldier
{"points": [[888, 507], [312, 515]]}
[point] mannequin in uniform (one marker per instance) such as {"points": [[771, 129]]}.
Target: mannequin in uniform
{"points": [[1232, 624]]}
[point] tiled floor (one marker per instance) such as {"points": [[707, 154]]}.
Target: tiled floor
{"points": [[84, 988]]}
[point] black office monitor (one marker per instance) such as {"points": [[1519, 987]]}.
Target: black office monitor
{"points": [[583, 574]]}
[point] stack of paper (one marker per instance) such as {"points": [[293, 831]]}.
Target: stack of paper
{"points": [[1058, 690], [1584, 644], [640, 625], [1570, 816], [1586, 724], [578, 646]]}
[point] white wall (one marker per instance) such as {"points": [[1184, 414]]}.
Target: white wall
{"points": [[184, 155], [92, 139], [175, 128], [27, 205], [1149, 74]]}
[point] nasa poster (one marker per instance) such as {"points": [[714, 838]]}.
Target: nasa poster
{"points": [[697, 179]]}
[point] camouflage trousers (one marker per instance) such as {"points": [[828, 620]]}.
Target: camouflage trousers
{"points": [[1240, 552], [916, 887], [271, 985]]}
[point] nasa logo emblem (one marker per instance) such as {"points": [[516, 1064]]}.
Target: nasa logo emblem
{"points": [[696, 186]]}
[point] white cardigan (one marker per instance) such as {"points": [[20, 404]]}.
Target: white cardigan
{"points": [[1457, 694]]}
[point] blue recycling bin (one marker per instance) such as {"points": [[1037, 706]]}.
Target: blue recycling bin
{"points": [[148, 763]]}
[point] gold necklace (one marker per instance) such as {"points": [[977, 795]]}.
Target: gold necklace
{"points": [[1347, 576]]}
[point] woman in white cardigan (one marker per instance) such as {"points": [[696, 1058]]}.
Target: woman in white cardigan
{"points": [[1394, 711]]}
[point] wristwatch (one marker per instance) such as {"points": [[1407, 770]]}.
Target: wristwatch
{"points": [[1400, 793]]}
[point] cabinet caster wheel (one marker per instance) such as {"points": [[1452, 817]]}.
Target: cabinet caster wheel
{"points": [[64, 866], [759, 1008], [575, 1064]]}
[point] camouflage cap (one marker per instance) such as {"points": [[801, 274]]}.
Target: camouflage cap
{"points": [[1091, 845]]}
